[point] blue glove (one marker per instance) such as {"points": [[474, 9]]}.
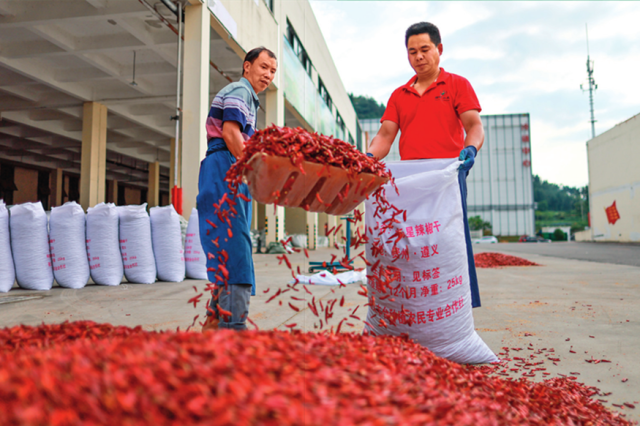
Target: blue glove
{"points": [[468, 155]]}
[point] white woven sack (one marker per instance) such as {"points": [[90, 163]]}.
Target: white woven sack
{"points": [[30, 246], [166, 235], [434, 288], [7, 271], [103, 245], [194, 256], [67, 244], [135, 244]]}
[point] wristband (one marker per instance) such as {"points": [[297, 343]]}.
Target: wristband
{"points": [[369, 154]]}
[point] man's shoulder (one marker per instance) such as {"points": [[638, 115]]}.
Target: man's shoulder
{"points": [[456, 78], [236, 89]]}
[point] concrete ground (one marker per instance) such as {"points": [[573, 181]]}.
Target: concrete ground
{"points": [[558, 305]]}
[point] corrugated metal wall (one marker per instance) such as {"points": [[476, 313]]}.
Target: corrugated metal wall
{"points": [[500, 185]]}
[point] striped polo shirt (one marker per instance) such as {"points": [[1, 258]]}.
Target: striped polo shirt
{"points": [[235, 102]]}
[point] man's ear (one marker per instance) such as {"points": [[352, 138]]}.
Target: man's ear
{"points": [[440, 48], [245, 67]]}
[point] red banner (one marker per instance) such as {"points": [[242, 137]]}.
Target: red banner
{"points": [[612, 213]]}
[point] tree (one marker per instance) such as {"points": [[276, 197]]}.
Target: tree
{"points": [[366, 106], [558, 235], [476, 223]]}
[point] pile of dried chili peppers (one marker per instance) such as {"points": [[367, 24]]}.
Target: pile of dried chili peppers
{"points": [[83, 373], [496, 260], [299, 145]]}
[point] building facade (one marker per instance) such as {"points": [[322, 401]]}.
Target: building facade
{"points": [[500, 184], [89, 95], [614, 184]]}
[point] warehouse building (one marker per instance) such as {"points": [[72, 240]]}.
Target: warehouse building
{"points": [[88, 92], [500, 185], [614, 179]]}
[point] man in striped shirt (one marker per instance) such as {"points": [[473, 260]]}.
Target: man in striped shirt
{"points": [[231, 122]]}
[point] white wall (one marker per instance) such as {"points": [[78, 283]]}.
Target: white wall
{"points": [[614, 176]]}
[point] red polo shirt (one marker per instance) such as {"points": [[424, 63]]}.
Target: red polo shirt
{"points": [[430, 124]]}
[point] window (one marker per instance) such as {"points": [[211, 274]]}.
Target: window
{"points": [[340, 122], [269, 4], [324, 94], [294, 41]]}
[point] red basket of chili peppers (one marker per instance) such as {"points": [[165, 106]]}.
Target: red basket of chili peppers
{"points": [[295, 168]]}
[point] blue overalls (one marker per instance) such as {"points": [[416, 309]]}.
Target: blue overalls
{"points": [[212, 187], [236, 102]]}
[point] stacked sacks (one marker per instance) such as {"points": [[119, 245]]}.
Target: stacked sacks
{"points": [[7, 271], [135, 244], [166, 235], [194, 256], [67, 245], [103, 246], [30, 246]]}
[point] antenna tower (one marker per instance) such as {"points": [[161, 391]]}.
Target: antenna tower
{"points": [[592, 86]]}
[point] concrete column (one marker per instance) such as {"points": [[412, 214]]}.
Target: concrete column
{"points": [[274, 223], [274, 114], [312, 230], [113, 191], [195, 100], [153, 192], [331, 223], [93, 164], [56, 187], [172, 166]]}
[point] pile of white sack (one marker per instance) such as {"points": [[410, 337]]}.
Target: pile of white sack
{"points": [[104, 244]]}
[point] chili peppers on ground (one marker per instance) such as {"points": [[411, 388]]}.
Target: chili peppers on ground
{"points": [[83, 373], [496, 260]]}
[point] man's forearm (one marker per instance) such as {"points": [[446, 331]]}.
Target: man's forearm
{"points": [[378, 148], [475, 137], [235, 143]]}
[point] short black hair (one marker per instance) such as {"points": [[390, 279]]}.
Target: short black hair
{"points": [[253, 54], [423, 28]]}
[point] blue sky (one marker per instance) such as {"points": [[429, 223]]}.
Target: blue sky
{"points": [[519, 56]]}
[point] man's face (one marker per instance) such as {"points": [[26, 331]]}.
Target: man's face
{"points": [[424, 56], [261, 72]]}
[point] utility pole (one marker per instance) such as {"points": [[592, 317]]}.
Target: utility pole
{"points": [[592, 86]]}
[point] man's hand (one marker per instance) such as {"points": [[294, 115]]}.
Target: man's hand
{"points": [[468, 155]]}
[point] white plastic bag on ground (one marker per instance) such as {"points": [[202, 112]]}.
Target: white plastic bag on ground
{"points": [[103, 246], [166, 235], [194, 256], [30, 246], [429, 296], [327, 278], [7, 271], [67, 245], [135, 244]]}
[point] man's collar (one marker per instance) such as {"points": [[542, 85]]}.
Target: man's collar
{"points": [[250, 87], [442, 77]]}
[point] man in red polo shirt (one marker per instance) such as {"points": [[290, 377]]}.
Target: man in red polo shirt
{"points": [[433, 112]]}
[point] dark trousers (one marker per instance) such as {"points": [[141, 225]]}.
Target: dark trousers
{"points": [[473, 278]]}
